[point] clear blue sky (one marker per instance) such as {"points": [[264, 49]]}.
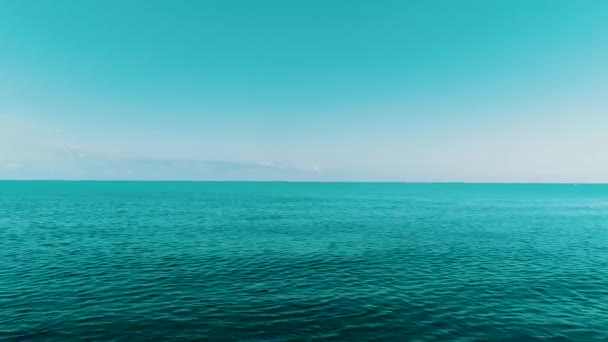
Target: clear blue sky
{"points": [[326, 90]]}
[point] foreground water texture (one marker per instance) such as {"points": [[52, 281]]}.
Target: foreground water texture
{"points": [[131, 261]]}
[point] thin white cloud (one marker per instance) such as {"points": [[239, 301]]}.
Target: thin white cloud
{"points": [[10, 165]]}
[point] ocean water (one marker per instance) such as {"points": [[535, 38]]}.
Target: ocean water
{"points": [[155, 261]]}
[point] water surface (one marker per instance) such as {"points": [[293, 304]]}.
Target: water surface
{"points": [[130, 261]]}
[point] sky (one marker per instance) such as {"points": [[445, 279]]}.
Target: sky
{"points": [[323, 90]]}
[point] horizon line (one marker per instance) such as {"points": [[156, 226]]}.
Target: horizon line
{"points": [[300, 181]]}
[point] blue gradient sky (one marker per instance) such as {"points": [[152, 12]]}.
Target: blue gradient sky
{"points": [[305, 90]]}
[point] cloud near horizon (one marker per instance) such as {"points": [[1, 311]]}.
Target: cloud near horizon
{"points": [[72, 164]]}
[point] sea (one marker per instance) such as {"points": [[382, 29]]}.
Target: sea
{"points": [[281, 261]]}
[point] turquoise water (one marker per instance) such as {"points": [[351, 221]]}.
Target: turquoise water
{"points": [[131, 261]]}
